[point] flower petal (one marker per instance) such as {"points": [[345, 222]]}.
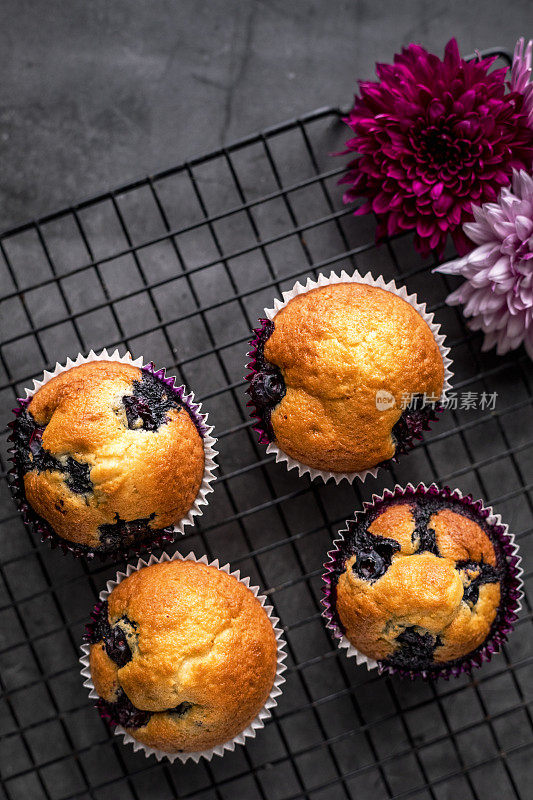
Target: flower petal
{"points": [[436, 142]]}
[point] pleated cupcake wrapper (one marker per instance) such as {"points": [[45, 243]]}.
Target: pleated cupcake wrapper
{"points": [[168, 534], [324, 280], [266, 712], [514, 584]]}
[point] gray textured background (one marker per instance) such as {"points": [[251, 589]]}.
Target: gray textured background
{"points": [[94, 93]]}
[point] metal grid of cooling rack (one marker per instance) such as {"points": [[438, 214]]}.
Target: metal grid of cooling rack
{"points": [[178, 267]]}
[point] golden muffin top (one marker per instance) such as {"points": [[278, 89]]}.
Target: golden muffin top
{"points": [[108, 453], [336, 347], [183, 655], [419, 584]]}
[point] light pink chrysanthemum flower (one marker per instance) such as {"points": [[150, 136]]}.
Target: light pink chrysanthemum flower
{"points": [[521, 75], [498, 291]]}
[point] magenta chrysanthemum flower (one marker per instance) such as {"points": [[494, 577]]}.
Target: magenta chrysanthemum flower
{"points": [[521, 76], [498, 291], [433, 137]]}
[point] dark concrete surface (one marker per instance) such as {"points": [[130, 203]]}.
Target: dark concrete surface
{"points": [[94, 92]]}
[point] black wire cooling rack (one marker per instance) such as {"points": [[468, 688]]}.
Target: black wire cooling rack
{"points": [[177, 267]]}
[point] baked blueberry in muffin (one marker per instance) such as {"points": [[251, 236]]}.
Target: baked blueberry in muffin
{"points": [[182, 655], [340, 374], [107, 456], [420, 583]]}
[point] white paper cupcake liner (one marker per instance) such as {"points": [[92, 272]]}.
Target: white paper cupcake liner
{"points": [[515, 592], [380, 283], [200, 419], [266, 712]]}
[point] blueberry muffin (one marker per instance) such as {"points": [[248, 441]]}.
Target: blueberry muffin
{"points": [[107, 456], [182, 655], [333, 371], [421, 583]]}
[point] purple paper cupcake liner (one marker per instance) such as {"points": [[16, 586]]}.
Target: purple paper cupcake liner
{"points": [[160, 537], [508, 560], [261, 334], [413, 422]]}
